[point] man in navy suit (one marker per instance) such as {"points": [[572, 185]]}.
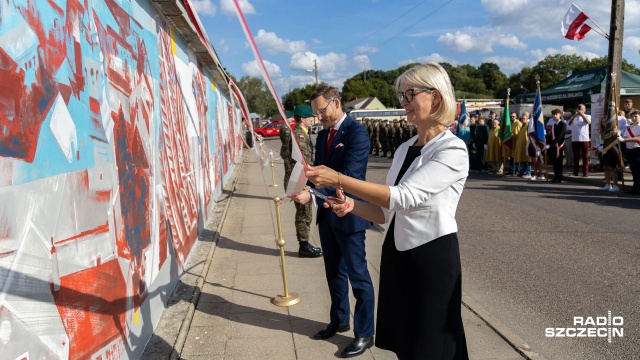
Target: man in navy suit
{"points": [[343, 145]]}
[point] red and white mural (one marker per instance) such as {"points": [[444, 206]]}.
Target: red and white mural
{"points": [[114, 141]]}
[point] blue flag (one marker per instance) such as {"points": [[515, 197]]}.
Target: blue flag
{"points": [[463, 124], [536, 125]]}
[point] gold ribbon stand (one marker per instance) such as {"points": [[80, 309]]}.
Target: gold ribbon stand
{"points": [[273, 174], [286, 299]]}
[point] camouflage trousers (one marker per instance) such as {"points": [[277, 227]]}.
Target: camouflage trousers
{"points": [[288, 168], [303, 221]]}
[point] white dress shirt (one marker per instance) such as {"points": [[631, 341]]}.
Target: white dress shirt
{"points": [[425, 200], [580, 129]]}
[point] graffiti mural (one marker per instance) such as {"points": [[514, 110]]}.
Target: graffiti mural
{"points": [[114, 141]]}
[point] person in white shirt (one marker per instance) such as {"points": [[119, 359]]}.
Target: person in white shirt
{"points": [[623, 122], [631, 137], [420, 250], [580, 140]]}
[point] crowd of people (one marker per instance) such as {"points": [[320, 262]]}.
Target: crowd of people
{"points": [[567, 142], [385, 136]]}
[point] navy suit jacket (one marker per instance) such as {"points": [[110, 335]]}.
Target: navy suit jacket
{"points": [[349, 154]]}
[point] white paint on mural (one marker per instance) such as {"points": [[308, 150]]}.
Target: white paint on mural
{"points": [[63, 128]]}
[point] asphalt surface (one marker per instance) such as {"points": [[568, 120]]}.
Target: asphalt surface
{"points": [[536, 255]]}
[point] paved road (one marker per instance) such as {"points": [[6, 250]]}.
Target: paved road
{"points": [[536, 255]]}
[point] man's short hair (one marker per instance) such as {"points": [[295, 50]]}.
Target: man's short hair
{"points": [[326, 91], [556, 111], [634, 112]]}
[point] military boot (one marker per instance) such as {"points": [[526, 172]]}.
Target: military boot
{"points": [[308, 251]]}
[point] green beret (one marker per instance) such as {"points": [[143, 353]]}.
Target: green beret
{"points": [[304, 111], [288, 114]]}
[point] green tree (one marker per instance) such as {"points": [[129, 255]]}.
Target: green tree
{"points": [[258, 96], [298, 96], [494, 79]]}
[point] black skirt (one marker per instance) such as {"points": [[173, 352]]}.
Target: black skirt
{"points": [[419, 300]]}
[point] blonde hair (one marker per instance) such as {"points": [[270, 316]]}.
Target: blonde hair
{"points": [[432, 75]]}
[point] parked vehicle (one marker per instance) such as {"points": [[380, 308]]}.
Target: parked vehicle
{"points": [[272, 129], [315, 128]]}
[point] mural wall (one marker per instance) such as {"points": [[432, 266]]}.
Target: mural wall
{"points": [[114, 142]]}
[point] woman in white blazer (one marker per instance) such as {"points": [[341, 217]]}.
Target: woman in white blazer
{"points": [[420, 254]]}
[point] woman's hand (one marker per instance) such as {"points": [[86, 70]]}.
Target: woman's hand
{"points": [[322, 176], [341, 209]]}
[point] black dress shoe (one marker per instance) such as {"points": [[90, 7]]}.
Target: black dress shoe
{"points": [[357, 347], [309, 251], [331, 330]]}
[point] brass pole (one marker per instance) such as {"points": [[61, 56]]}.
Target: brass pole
{"points": [[286, 299], [273, 174]]}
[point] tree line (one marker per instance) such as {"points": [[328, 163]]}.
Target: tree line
{"points": [[486, 81]]}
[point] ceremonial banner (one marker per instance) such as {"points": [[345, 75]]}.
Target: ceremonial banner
{"points": [[536, 124], [463, 124], [505, 126], [573, 26], [610, 132]]}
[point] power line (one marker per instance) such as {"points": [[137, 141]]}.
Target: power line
{"points": [[380, 29], [415, 23]]}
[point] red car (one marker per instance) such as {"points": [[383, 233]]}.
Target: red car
{"points": [[272, 128]]}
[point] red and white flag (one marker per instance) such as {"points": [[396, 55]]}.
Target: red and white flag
{"points": [[573, 26]]}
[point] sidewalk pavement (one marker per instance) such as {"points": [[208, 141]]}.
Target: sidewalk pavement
{"points": [[221, 308]]}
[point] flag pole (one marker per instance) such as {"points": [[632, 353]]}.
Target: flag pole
{"points": [[603, 33], [615, 101], [546, 165]]}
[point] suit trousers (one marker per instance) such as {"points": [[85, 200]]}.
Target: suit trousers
{"points": [[344, 262]]}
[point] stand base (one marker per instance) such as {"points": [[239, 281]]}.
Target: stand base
{"points": [[280, 300]]}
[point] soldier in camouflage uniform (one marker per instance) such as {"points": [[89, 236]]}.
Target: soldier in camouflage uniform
{"points": [[384, 131], [397, 138], [406, 132], [303, 115], [391, 133], [285, 151], [367, 125], [375, 142]]}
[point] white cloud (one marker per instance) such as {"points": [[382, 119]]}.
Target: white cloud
{"points": [[252, 69], [435, 57], [204, 7], [333, 68], [540, 54], [223, 46], [504, 6], [361, 49], [480, 40], [506, 62], [631, 47], [229, 8], [275, 45], [362, 62]]}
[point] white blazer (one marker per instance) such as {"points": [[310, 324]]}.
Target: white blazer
{"points": [[426, 198]]}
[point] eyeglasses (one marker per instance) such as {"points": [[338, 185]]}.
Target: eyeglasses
{"points": [[410, 93], [324, 109]]}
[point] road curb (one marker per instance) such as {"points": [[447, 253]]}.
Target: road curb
{"points": [[186, 322], [502, 330]]}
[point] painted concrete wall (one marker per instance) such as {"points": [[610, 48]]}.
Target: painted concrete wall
{"points": [[114, 143]]}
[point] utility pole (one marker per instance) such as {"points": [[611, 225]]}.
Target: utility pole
{"points": [[315, 70], [616, 32]]}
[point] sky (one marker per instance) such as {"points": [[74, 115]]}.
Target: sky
{"points": [[350, 36]]}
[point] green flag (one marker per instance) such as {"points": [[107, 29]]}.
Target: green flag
{"points": [[505, 126]]}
